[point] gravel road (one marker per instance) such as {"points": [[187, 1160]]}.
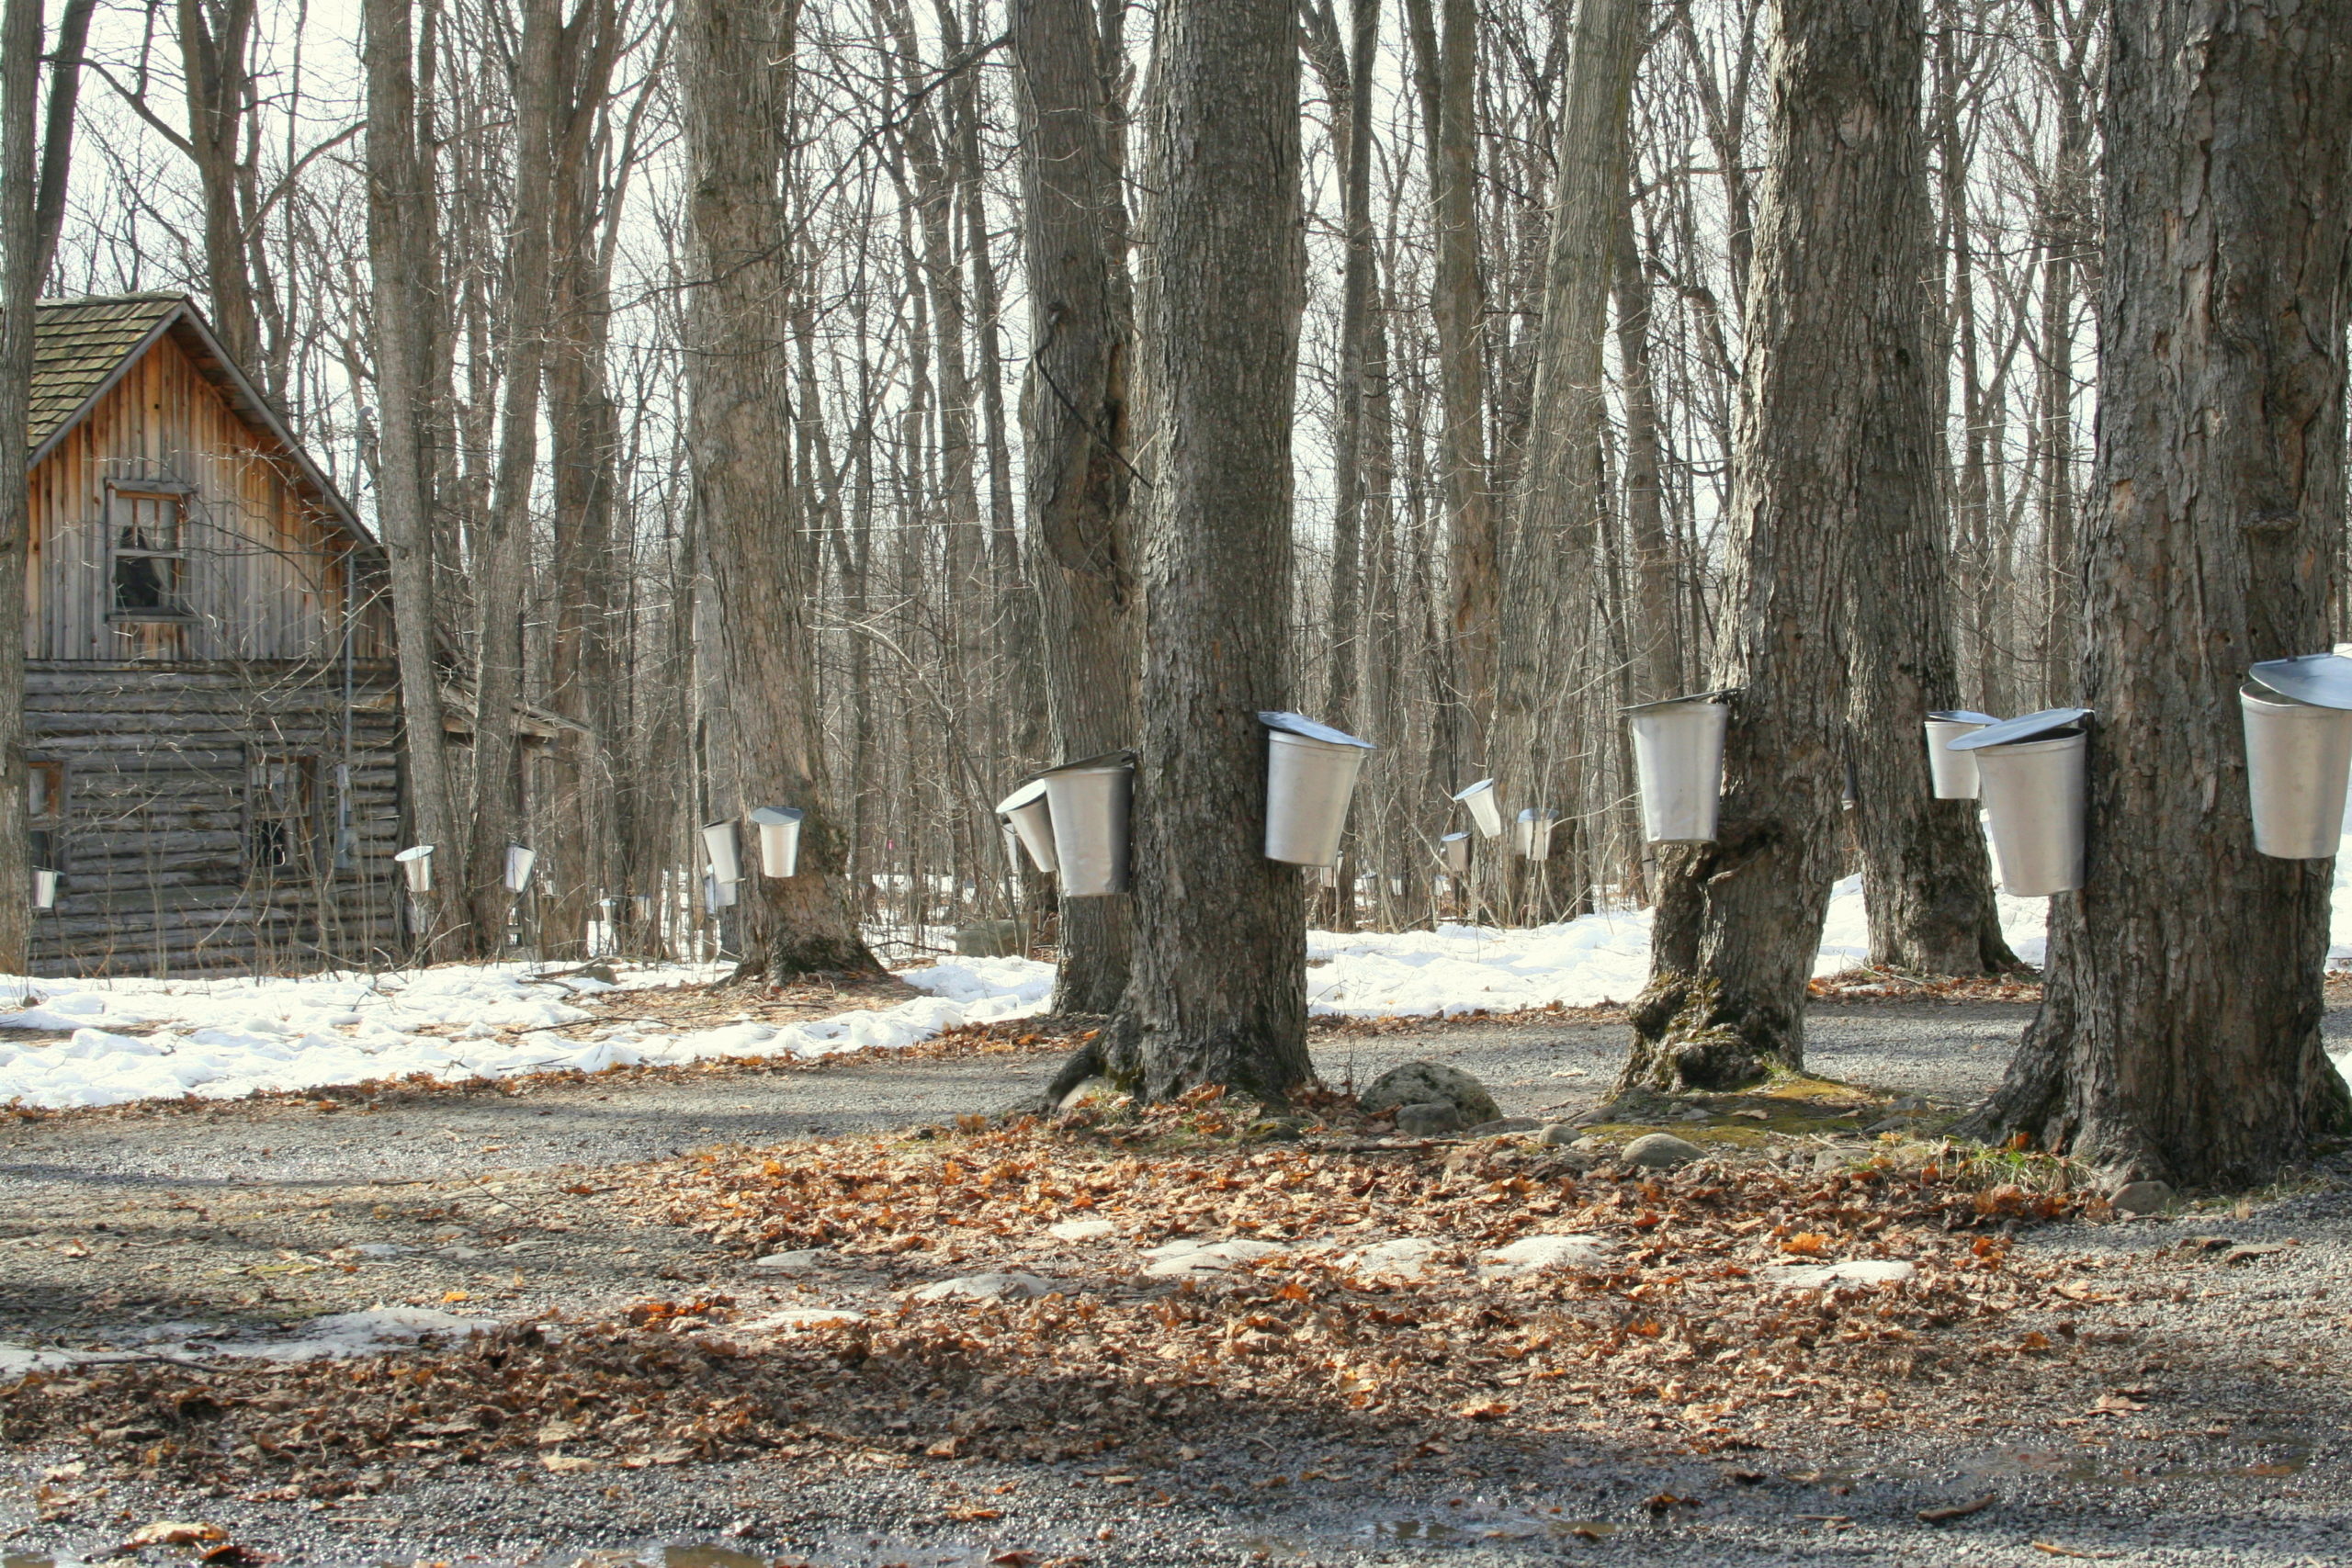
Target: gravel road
{"points": [[112, 1223]]}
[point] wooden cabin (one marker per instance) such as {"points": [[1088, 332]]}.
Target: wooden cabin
{"points": [[212, 711]]}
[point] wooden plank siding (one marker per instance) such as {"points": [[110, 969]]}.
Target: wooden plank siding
{"points": [[169, 862]]}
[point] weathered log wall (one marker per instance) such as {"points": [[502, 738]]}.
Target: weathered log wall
{"points": [[161, 840]]}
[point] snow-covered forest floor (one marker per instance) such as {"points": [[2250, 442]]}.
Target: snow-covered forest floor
{"points": [[71, 1043]]}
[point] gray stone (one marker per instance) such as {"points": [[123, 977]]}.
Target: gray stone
{"points": [[1828, 1276], [1082, 1230], [991, 939], [1404, 1258], [1558, 1134], [1428, 1119], [1660, 1151], [1530, 1253], [1418, 1083], [987, 1288], [1175, 1260], [1503, 1128], [799, 1262], [2144, 1198]]}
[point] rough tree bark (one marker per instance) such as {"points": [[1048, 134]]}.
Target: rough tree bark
{"points": [[57, 133], [1658, 636], [1741, 920], [21, 36], [402, 217], [2179, 1035], [1218, 991], [736, 60], [1926, 881], [1074, 425]]}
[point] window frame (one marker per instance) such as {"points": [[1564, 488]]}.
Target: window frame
{"points": [[52, 823], [175, 610], [300, 854]]}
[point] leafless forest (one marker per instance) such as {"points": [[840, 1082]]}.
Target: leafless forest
{"points": [[495, 363]]}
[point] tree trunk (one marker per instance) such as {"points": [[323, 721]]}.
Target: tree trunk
{"points": [[57, 134], [21, 40], [1074, 424], [1219, 993], [736, 59], [502, 561], [1445, 73], [1658, 636], [1844, 109], [402, 217], [1543, 644], [1926, 880], [2179, 1036]]}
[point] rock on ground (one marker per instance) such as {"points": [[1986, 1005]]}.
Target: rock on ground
{"points": [[1661, 1151], [1421, 1083]]}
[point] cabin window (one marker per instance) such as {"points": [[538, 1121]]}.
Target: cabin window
{"points": [[281, 794], [150, 553], [45, 814]]}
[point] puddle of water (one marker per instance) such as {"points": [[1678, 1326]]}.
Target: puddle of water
{"points": [[2094, 1468], [709, 1557], [1514, 1527]]}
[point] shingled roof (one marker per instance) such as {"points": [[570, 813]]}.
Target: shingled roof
{"points": [[82, 346], [78, 344]]}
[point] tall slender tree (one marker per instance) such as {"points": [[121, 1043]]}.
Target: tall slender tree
{"points": [[20, 37], [2178, 1034], [1219, 989]]}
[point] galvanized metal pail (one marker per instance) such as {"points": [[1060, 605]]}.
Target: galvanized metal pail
{"points": [[719, 843], [1955, 773], [779, 828], [1310, 777], [1455, 848], [2033, 794], [44, 890], [416, 865], [2298, 758], [1678, 761], [518, 867], [1486, 809], [1031, 820], [1532, 834], [1088, 802]]}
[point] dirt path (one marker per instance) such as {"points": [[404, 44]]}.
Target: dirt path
{"points": [[119, 1226]]}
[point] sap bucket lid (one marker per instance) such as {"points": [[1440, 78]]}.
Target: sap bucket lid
{"points": [[1726, 695], [1455, 838], [2323, 680], [1961, 715], [1107, 762], [414, 852], [1298, 724], [2049, 724], [776, 816], [1027, 794], [1469, 790]]}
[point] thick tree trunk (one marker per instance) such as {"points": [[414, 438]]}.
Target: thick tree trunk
{"points": [[1726, 1001], [402, 218], [1219, 993], [1074, 420], [2179, 1035], [1926, 880], [21, 39], [736, 58], [1658, 635]]}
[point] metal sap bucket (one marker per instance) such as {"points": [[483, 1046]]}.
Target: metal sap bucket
{"points": [[1486, 809], [1455, 850], [1310, 777], [1531, 836], [1678, 759], [44, 890], [718, 895], [1030, 819], [2032, 774], [2297, 757], [779, 828], [416, 865], [518, 867], [1955, 773], [719, 843], [1089, 801]]}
